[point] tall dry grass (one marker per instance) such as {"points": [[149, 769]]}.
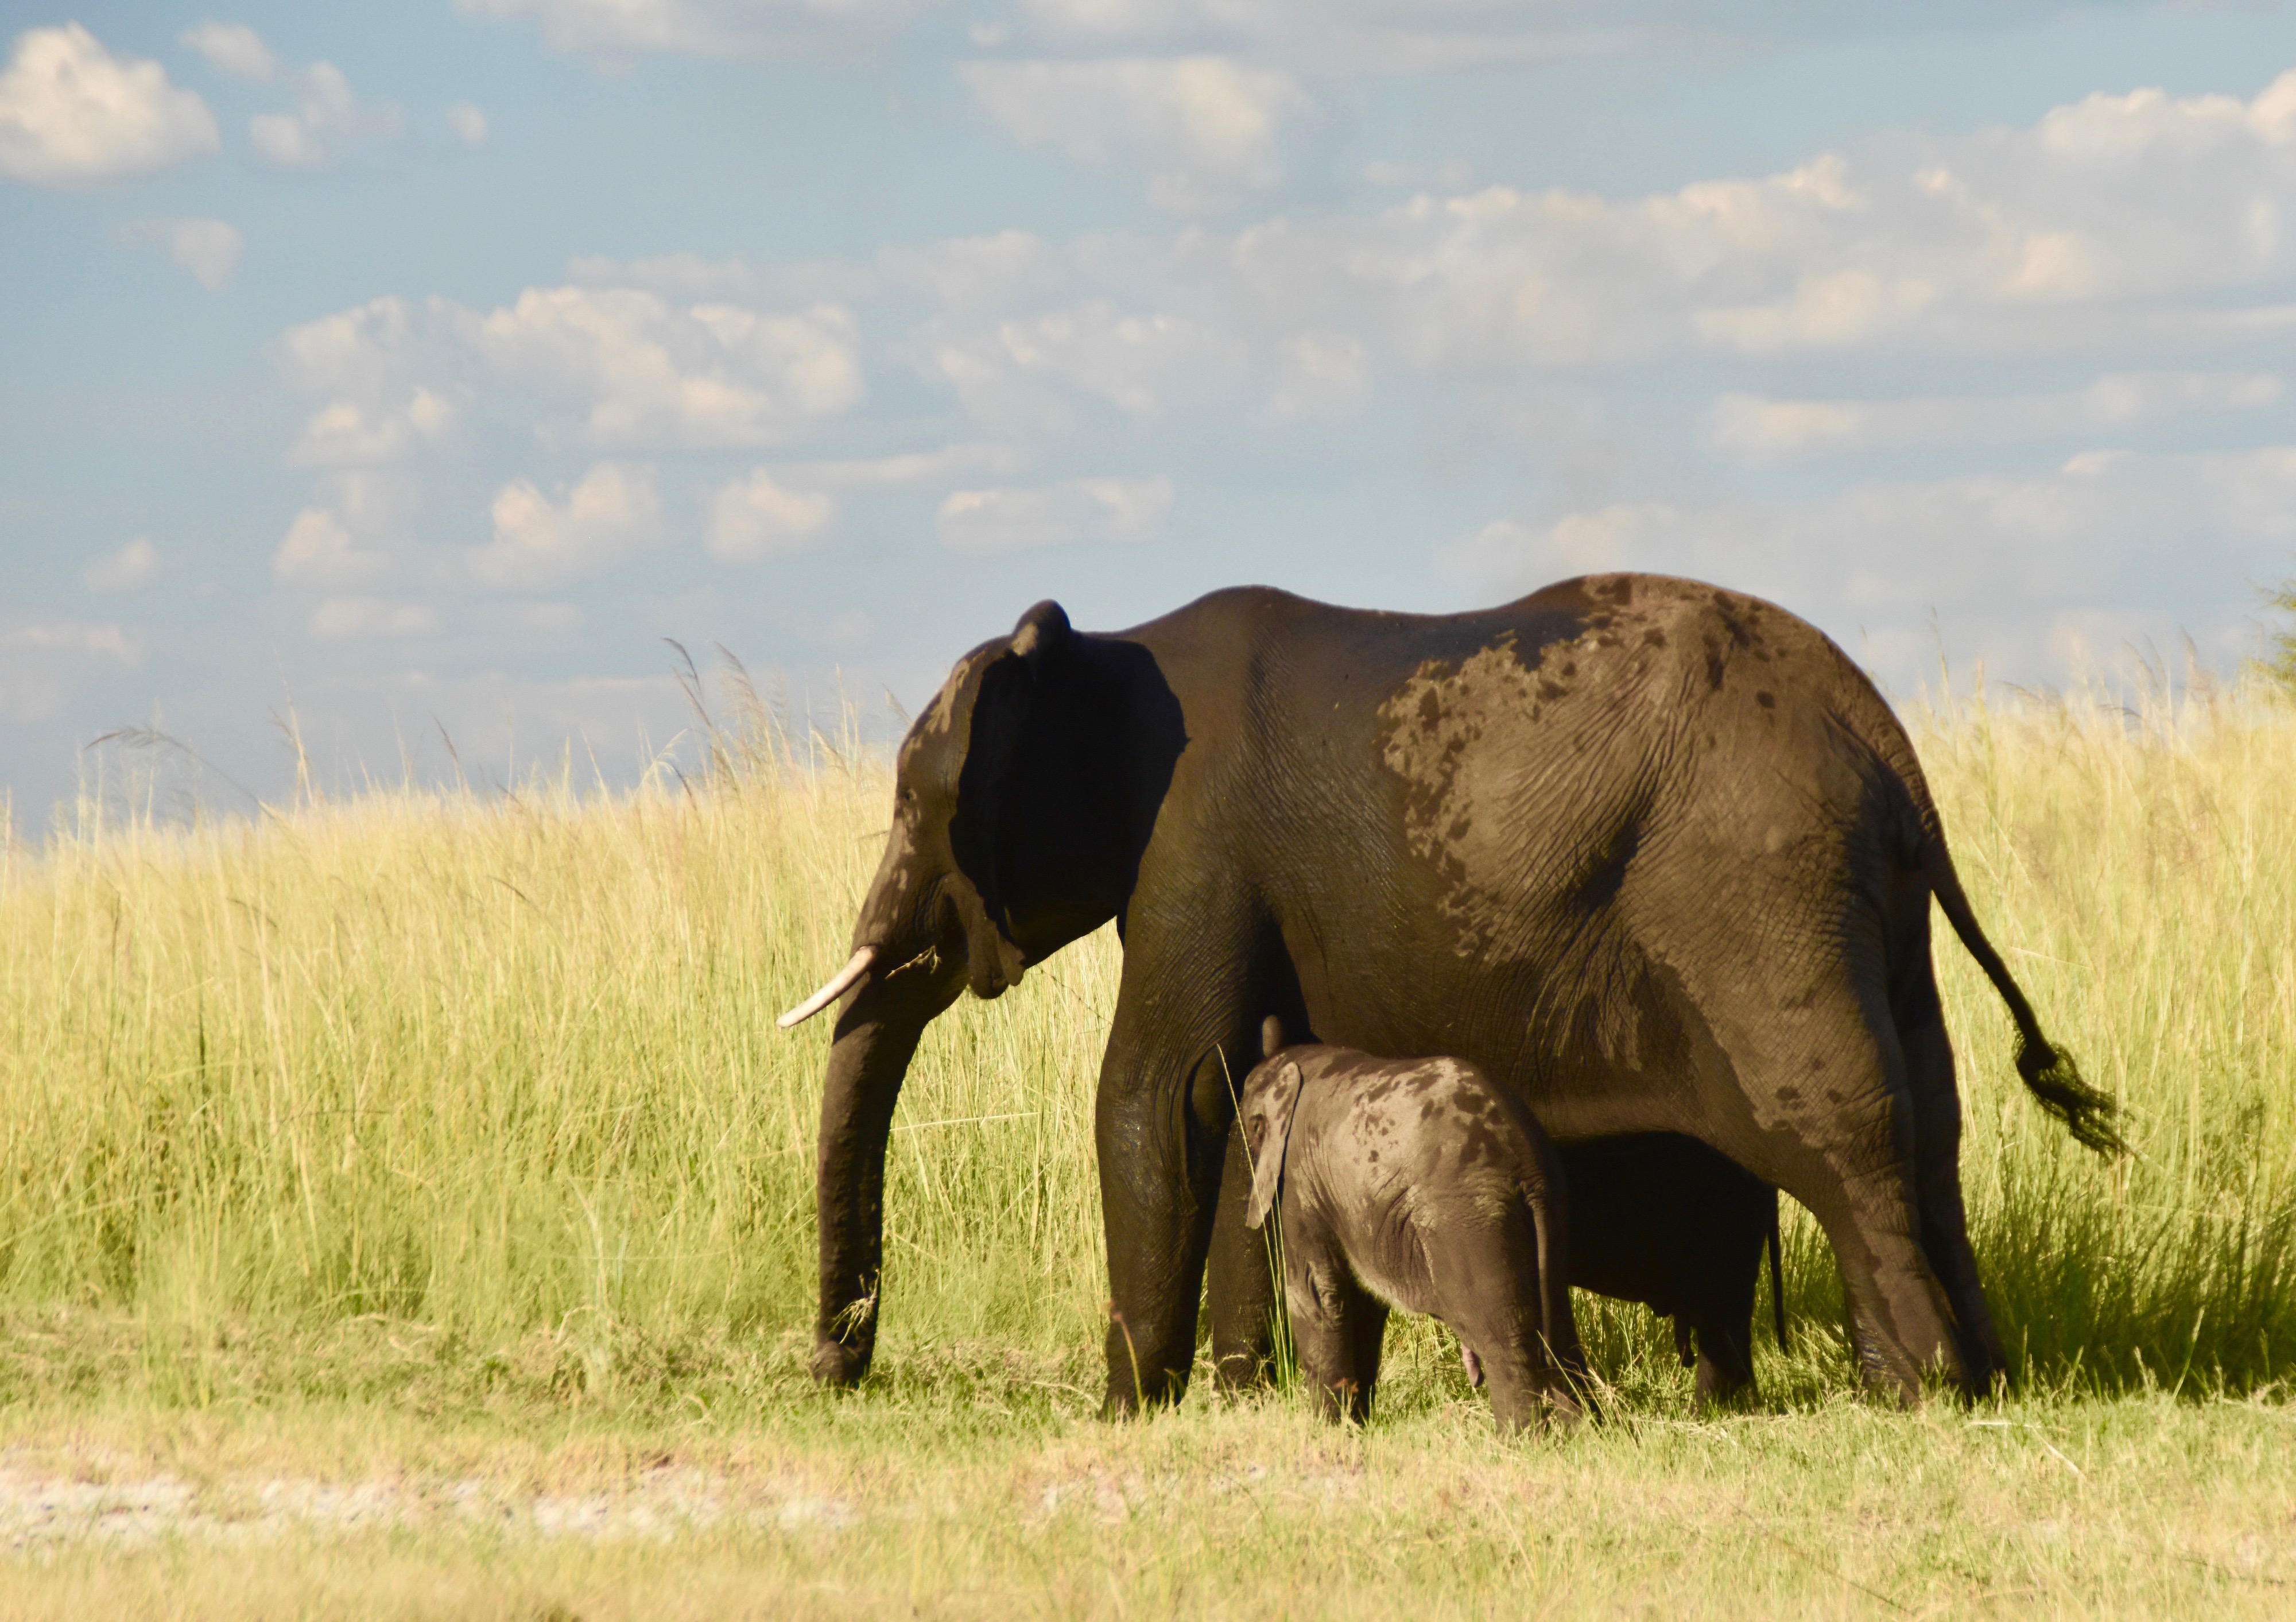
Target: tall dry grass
{"points": [[503, 1063]]}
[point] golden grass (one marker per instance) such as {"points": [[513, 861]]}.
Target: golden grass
{"points": [[461, 1124]]}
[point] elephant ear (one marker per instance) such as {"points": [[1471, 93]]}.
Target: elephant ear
{"points": [[1278, 1105], [1004, 705]]}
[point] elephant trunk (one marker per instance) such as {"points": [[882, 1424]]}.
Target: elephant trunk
{"points": [[877, 1035]]}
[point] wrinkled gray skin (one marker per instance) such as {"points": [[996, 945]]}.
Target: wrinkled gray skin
{"points": [[1415, 1184]]}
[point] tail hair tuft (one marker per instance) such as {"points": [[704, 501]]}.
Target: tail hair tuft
{"points": [[2056, 1082]]}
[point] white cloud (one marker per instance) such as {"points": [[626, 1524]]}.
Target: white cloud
{"points": [[1755, 428], [468, 123], [703, 27], [1320, 374], [975, 272], [1204, 129], [2057, 236], [704, 375], [134, 564], [40, 663], [347, 434], [318, 551], [2001, 551], [1134, 362], [754, 518], [360, 351], [1078, 509], [235, 49], [209, 249], [637, 368], [105, 639], [1381, 36], [327, 124], [1450, 175], [612, 512], [72, 113], [914, 467], [346, 618]]}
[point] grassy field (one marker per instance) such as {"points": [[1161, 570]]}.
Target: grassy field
{"points": [[440, 1148]]}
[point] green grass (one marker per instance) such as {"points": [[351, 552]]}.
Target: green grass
{"points": [[441, 1128]]}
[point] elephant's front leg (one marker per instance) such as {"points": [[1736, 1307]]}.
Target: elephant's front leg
{"points": [[1240, 1289], [1162, 1129], [1337, 1327]]}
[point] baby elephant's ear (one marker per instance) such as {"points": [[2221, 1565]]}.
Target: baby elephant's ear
{"points": [[1277, 1102]]}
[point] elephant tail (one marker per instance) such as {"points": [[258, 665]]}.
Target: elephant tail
{"points": [[1556, 1326], [1778, 1280], [2048, 1071]]}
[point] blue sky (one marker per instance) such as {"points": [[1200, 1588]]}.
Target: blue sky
{"points": [[420, 368]]}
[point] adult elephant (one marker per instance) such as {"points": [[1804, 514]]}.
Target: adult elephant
{"points": [[1655, 855]]}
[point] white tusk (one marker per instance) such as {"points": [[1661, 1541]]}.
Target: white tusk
{"points": [[838, 985]]}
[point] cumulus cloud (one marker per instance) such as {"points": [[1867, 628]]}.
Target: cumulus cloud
{"points": [[318, 551], [613, 511], [1756, 428], [1134, 362], [40, 663], [326, 124], [701, 375], [913, 466], [637, 368], [361, 351], [2050, 236], [346, 618], [1006, 519], [349, 433], [1320, 373], [71, 113], [1203, 129], [755, 518], [702, 27], [234, 50], [2096, 526], [134, 564], [209, 249]]}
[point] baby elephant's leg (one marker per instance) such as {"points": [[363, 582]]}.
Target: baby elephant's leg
{"points": [[1331, 1317], [1485, 1280]]}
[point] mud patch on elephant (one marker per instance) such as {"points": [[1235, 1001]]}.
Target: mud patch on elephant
{"points": [[1436, 728], [1470, 741]]}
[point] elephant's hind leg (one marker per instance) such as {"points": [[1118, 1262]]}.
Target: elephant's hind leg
{"points": [[1485, 1280], [1944, 1221], [1841, 1138], [1729, 1275]]}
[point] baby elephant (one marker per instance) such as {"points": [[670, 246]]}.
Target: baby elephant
{"points": [[1414, 1183]]}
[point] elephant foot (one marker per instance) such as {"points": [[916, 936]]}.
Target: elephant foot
{"points": [[1719, 1386], [837, 1365], [1238, 1372]]}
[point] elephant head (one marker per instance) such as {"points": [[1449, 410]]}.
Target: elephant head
{"points": [[938, 890], [1022, 797]]}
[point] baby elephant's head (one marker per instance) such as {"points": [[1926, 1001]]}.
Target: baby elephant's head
{"points": [[1271, 1095]]}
